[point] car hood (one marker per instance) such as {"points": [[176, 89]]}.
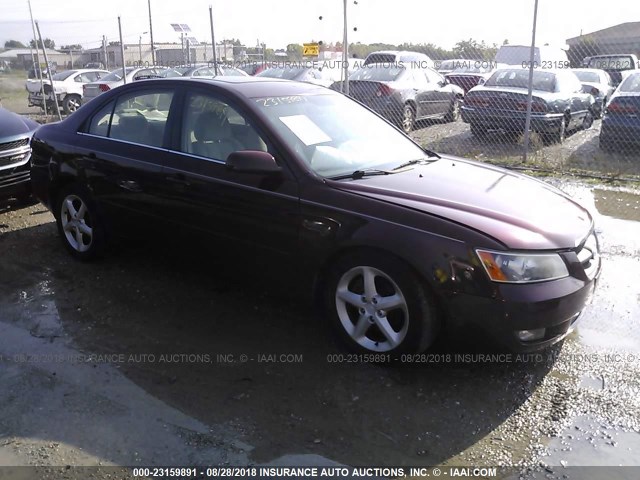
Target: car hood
{"points": [[521, 212], [13, 125]]}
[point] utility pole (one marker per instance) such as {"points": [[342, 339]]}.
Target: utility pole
{"points": [[527, 124], [345, 52], [46, 60], [36, 66], [104, 52], [124, 71], [182, 47], [153, 53], [213, 41]]}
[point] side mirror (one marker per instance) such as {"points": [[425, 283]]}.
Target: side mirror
{"points": [[252, 161]]}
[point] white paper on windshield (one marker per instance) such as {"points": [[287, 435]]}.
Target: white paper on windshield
{"points": [[304, 128]]}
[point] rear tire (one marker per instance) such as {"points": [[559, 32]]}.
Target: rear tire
{"points": [[71, 103], [478, 131], [78, 223], [408, 118], [376, 304], [587, 121], [605, 144]]}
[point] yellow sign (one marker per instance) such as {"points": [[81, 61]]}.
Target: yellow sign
{"points": [[310, 49]]}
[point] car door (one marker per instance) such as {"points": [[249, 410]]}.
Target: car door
{"points": [[201, 193], [440, 92], [580, 101], [123, 149]]}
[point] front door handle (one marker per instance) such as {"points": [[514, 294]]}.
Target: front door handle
{"points": [[130, 185]]}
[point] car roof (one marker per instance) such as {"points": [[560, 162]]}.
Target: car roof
{"points": [[250, 87]]}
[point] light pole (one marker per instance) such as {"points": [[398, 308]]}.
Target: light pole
{"points": [[140, 46], [153, 54]]}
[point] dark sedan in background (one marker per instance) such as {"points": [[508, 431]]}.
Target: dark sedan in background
{"points": [[559, 103], [395, 241], [599, 84], [621, 120], [15, 153], [469, 75], [405, 94]]}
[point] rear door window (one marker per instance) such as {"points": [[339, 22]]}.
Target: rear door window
{"points": [[139, 118]]}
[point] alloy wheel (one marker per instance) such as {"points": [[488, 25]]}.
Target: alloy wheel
{"points": [[76, 223], [372, 309]]}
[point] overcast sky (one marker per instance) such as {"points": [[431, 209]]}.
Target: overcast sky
{"points": [[279, 22]]}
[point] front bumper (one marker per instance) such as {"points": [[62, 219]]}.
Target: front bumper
{"points": [[15, 181], [512, 121], [36, 99], [554, 306]]}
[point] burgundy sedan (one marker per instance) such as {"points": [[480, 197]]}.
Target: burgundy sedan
{"points": [[397, 242]]}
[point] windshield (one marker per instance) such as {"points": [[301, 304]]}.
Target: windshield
{"points": [[630, 84], [378, 73], [334, 135], [613, 62], [519, 78], [592, 77], [115, 75], [473, 68], [63, 75], [288, 73]]}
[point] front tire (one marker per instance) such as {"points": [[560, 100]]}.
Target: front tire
{"points": [[587, 121], [79, 224], [377, 305]]}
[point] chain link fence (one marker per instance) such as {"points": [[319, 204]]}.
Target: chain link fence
{"points": [[580, 104]]}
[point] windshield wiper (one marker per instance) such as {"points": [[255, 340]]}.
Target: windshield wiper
{"points": [[358, 174], [414, 162]]}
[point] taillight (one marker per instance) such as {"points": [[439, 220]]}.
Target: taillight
{"points": [[594, 91], [476, 101], [384, 91], [104, 88], [536, 106], [621, 108]]}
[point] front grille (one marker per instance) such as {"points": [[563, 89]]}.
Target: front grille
{"points": [[15, 144], [589, 256], [13, 159]]}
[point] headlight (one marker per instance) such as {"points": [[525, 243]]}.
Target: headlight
{"points": [[522, 268]]}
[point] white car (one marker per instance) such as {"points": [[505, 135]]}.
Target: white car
{"points": [[67, 88], [114, 79]]}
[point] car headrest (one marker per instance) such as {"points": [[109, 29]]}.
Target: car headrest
{"points": [[211, 127]]}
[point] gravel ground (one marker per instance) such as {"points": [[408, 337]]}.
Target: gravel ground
{"points": [[154, 326]]}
